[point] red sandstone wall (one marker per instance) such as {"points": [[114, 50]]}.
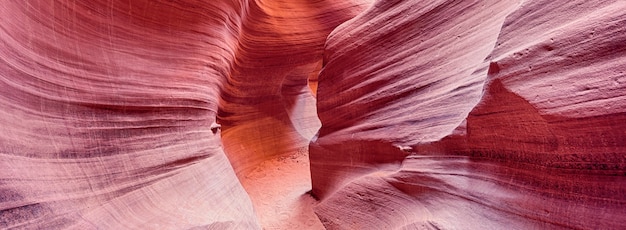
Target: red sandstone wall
{"points": [[530, 109], [106, 109], [434, 114], [117, 105], [266, 106]]}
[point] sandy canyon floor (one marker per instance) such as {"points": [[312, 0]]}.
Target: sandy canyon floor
{"points": [[279, 191]]}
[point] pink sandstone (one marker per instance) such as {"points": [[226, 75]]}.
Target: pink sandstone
{"points": [[151, 114], [505, 116]]}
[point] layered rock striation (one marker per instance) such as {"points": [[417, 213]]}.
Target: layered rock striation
{"points": [[267, 108], [139, 114], [432, 114], [504, 115]]}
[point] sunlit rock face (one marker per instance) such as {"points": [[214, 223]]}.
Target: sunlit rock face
{"points": [[442, 114], [114, 113], [267, 107], [474, 115]]}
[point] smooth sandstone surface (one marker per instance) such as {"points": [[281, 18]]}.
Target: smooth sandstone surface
{"points": [[267, 108], [505, 115], [141, 114], [106, 115], [180, 114]]}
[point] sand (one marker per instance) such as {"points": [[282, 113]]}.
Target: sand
{"points": [[279, 191]]}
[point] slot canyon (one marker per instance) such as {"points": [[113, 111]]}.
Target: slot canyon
{"points": [[312, 114]]}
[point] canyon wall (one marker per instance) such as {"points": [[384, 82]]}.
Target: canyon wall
{"points": [[474, 115], [141, 114], [432, 114], [107, 109], [267, 107]]}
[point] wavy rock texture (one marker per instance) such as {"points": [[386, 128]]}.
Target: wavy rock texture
{"points": [[110, 110], [267, 107], [108, 114], [504, 115], [434, 114]]}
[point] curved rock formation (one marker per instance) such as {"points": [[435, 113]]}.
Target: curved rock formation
{"points": [[541, 146], [146, 114], [267, 108], [117, 104], [106, 115]]}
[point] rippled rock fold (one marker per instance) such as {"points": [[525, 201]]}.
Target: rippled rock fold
{"points": [[145, 114]]}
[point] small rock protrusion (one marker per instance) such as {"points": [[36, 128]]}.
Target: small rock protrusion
{"points": [[494, 68], [215, 127], [407, 149]]}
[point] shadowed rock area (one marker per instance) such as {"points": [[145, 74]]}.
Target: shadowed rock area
{"points": [[312, 114]]}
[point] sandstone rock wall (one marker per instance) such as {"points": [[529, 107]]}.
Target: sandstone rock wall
{"points": [[106, 109], [505, 115], [267, 108], [114, 113], [434, 114]]}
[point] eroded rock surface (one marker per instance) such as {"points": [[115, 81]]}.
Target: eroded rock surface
{"points": [[443, 114], [106, 109], [504, 115], [110, 109], [267, 107]]}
